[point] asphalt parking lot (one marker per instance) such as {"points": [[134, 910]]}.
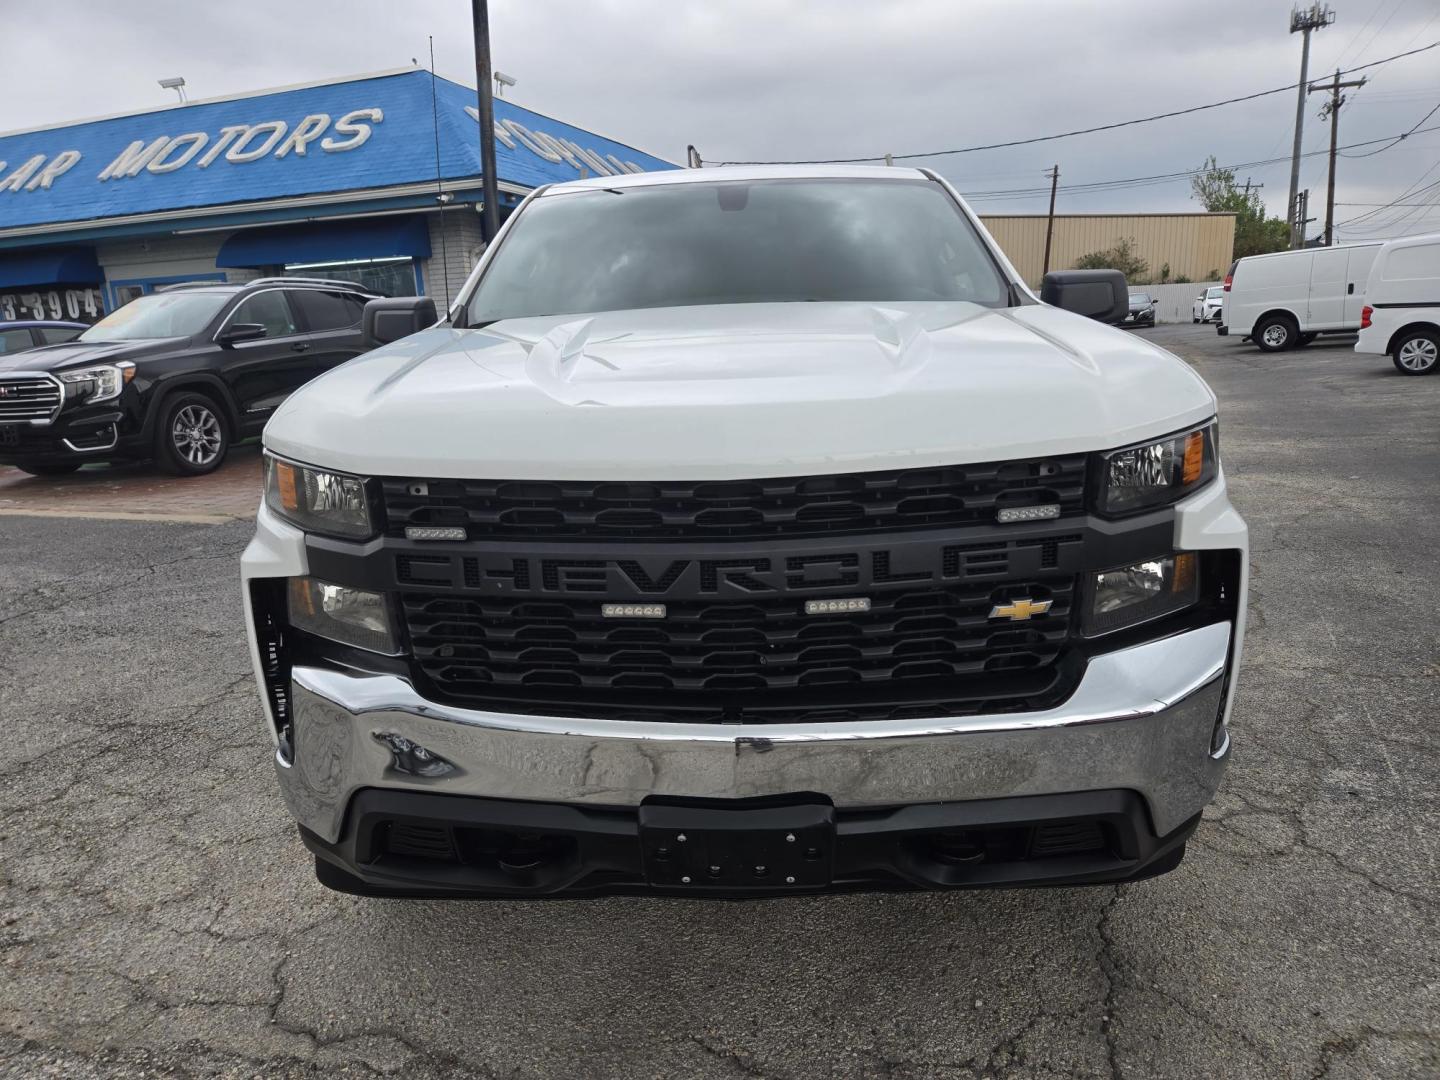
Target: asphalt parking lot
{"points": [[158, 917]]}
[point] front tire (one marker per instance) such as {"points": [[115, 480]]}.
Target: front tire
{"points": [[59, 468], [1275, 333], [192, 436], [1417, 353]]}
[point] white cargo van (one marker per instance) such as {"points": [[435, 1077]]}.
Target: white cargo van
{"points": [[1402, 305], [1281, 301]]}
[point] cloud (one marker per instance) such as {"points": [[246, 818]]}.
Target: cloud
{"points": [[763, 79]]}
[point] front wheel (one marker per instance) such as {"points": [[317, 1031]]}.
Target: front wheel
{"points": [[191, 436], [1275, 333], [1417, 353]]}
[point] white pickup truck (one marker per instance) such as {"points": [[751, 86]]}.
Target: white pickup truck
{"points": [[747, 532]]}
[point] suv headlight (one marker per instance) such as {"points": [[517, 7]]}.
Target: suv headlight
{"points": [[89, 385], [317, 500], [1157, 473]]}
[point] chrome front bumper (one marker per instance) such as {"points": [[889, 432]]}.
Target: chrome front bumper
{"points": [[1142, 719]]}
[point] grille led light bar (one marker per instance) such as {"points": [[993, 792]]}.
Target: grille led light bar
{"points": [[1028, 513]]}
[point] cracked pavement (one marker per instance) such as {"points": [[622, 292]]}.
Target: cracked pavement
{"points": [[159, 918]]}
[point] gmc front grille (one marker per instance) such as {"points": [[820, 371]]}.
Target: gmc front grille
{"points": [[25, 398], [791, 507]]}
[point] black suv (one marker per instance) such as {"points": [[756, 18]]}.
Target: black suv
{"points": [[176, 376]]}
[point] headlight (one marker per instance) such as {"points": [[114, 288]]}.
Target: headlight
{"points": [[1157, 473], [1128, 595], [350, 616], [97, 383], [316, 500]]}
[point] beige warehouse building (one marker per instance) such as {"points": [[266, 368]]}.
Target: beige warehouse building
{"points": [[1196, 246]]}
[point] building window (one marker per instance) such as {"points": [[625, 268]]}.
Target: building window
{"points": [[388, 277]]}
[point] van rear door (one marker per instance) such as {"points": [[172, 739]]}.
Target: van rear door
{"points": [[1326, 308], [1357, 272]]}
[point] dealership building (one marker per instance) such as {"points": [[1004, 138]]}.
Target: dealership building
{"points": [[374, 179]]}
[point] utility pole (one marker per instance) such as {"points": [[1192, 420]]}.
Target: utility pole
{"points": [[1054, 175], [1332, 110], [489, 190], [1316, 17], [1302, 208]]}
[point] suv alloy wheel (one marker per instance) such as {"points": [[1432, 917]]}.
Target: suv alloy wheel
{"points": [[191, 436]]}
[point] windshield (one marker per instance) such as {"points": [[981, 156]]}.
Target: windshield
{"points": [[1215, 292], [737, 243], [159, 315]]}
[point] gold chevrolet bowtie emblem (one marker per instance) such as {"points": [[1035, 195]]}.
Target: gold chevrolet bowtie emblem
{"points": [[1020, 610]]}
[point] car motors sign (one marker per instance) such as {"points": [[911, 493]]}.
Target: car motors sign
{"points": [[359, 135]]}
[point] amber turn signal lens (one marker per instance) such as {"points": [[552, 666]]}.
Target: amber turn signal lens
{"points": [[1194, 457], [290, 497], [301, 599], [1183, 578]]}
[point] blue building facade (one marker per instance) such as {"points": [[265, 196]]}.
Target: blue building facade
{"points": [[374, 179]]}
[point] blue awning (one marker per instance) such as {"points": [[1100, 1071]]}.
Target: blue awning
{"points": [[330, 241], [56, 266]]}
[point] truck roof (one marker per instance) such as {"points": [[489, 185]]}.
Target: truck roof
{"points": [[742, 172]]}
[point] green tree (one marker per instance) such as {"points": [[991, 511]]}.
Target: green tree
{"points": [[1255, 234], [1121, 257]]}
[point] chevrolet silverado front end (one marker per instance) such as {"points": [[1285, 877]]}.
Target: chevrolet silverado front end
{"points": [[744, 532]]}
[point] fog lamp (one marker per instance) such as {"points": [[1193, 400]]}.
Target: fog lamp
{"points": [[339, 613], [1129, 595]]}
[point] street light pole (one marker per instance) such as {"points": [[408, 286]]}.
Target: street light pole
{"points": [[1315, 17], [489, 190]]}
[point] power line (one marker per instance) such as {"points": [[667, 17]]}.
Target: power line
{"points": [[1078, 131], [1410, 192], [1160, 178], [1361, 32], [1401, 139], [1378, 30]]}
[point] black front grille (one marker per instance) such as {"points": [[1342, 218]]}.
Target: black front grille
{"points": [[806, 506], [917, 652]]}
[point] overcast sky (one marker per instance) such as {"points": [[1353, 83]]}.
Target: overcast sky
{"points": [[767, 79]]}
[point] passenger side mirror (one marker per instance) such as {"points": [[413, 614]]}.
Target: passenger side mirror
{"points": [[395, 317], [1097, 294], [243, 331]]}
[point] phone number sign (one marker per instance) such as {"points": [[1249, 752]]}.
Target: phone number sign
{"points": [[78, 304]]}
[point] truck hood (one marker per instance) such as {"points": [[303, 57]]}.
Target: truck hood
{"points": [[74, 354], [739, 391]]}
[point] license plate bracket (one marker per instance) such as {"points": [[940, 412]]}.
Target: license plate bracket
{"points": [[765, 847]]}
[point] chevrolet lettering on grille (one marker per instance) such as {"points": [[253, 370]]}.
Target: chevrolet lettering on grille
{"points": [[908, 565]]}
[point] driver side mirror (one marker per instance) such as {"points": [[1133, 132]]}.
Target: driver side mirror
{"points": [[395, 317], [242, 331], [1097, 294]]}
